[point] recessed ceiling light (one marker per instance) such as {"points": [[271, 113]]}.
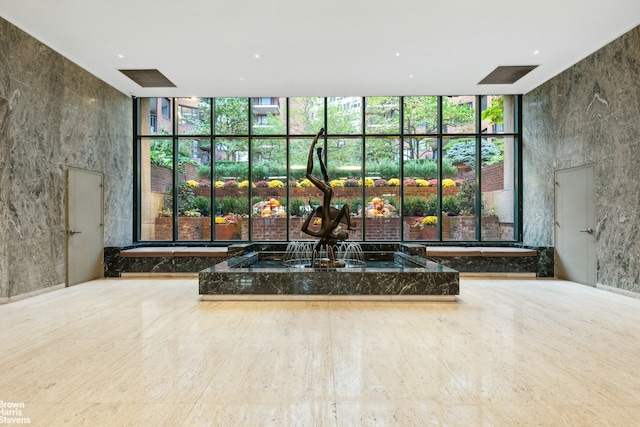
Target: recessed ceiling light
{"points": [[241, 79], [397, 53], [120, 55], [410, 76], [257, 56], [535, 52]]}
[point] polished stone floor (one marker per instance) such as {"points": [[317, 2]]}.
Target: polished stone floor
{"points": [[148, 352]]}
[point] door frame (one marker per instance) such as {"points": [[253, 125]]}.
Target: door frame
{"points": [[591, 262], [68, 220]]}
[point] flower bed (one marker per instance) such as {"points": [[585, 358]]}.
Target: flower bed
{"points": [[455, 228]]}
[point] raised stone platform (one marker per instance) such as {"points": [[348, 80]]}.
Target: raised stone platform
{"points": [[538, 261], [494, 259], [161, 259], [399, 277]]}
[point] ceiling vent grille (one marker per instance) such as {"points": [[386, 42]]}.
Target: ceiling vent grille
{"points": [[148, 78], [507, 74]]}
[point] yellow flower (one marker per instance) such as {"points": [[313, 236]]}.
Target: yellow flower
{"points": [[448, 183], [192, 183], [430, 220], [244, 184], [305, 183], [219, 184], [336, 183], [368, 182], [421, 223], [220, 220], [422, 183], [276, 183], [394, 182]]}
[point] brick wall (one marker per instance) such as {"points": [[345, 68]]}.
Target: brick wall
{"points": [[493, 177], [162, 177], [459, 228], [378, 229]]}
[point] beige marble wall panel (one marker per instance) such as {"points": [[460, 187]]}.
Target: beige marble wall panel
{"points": [[589, 115], [107, 119], [118, 167], [5, 27], [61, 116], [4, 161], [4, 198], [36, 238]]}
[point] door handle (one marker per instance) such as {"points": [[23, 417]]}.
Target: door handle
{"points": [[588, 230], [72, 232]]}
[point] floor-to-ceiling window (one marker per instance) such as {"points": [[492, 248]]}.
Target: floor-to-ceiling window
{"points": [[412, 168]]}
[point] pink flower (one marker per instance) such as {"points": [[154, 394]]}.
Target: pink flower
{"points": [[230, 219]]}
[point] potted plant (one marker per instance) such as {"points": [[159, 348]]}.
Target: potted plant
{"points": [[427, 226], [225, 226]]}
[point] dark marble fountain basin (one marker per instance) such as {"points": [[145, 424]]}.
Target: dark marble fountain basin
{"points": [[399, 276]]}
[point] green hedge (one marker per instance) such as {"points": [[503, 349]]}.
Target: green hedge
{"points": [[422, 169]]}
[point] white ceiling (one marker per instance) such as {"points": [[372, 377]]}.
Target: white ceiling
{"points": [[323, 48]]}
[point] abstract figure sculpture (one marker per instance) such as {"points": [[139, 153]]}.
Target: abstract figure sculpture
{"points": [[330, 231]]}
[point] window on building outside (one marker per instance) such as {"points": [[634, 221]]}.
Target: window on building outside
{"points": [[166, 108]]}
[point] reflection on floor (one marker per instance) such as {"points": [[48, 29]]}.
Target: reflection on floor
{"points": [[509, 352]]}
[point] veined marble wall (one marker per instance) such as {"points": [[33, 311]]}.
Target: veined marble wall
{"points": [[4, 198], [590, 114], [59, 116], [4, 170]]}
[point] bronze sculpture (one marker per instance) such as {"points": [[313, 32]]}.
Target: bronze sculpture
{"points": [[330, 231]]}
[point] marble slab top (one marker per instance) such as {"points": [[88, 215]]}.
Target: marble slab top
{"points": [[151, 251], [202, 252], [452, 251], [173, 251]]}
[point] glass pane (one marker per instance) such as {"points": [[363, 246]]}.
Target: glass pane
{"points": [[382, 115], [497, 173], [156, 173], [194, 116], [194, 193], [304, 197], [344, 167], [269, 192], [194, 189], [344, 116], [459, 194], [156, 116], [458, 114], [306, 115], [420, 115], [420, 187], [231, 116], [382, 189], [231, 182], [214, 181], [498, 112], [269, 116]]}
